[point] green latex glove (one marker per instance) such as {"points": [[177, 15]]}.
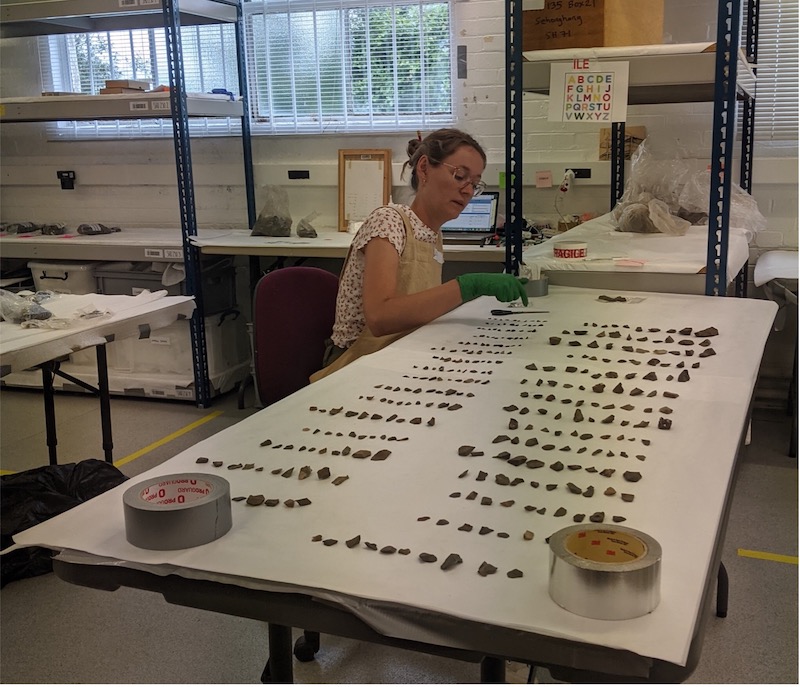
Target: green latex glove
{"points": [[504, 287]]}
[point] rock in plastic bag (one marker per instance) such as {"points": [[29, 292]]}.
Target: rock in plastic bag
{"points": [[665, 222], [274, 218]]}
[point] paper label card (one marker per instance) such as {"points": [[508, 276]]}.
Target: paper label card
{"points": [[588, 91]]}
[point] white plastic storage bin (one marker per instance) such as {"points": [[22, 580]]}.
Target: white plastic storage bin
{"points": [[169, 350], [64, 277]]}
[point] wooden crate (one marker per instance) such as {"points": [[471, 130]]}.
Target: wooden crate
{"points": [[592, 24]]}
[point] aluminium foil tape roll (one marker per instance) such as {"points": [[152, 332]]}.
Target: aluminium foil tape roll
{"points": [[177, 511], [607, 573]]}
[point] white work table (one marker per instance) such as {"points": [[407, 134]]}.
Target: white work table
{"points": [[115, 318], [160, 245], [480, 363], [327, 244]]}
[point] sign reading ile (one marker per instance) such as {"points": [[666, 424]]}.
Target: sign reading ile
{"points": [[588, 91]]}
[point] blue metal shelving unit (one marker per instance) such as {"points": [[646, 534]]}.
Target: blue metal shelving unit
{"points": [[183, 164], [726, 93]]}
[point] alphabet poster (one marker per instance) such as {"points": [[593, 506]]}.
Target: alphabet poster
{"points": [[584, 90]]}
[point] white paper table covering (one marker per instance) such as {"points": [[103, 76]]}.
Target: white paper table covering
{"points": [[679, 500]]}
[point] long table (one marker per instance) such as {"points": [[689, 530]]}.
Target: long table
{"points": [[458, 382], [89, 321], [165, 245]]}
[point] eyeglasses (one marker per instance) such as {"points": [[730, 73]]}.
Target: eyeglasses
{"points": [[462, 178]]}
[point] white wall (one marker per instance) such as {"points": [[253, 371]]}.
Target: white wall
{"points": [[132, 183]]}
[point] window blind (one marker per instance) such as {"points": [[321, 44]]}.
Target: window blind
{"points": [[777, 83], [349, 65], [313, 66]]}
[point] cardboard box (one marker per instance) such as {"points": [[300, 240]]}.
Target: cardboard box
{"points": [[592, 24]]}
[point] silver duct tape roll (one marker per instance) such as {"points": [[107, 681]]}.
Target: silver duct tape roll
{"points": [[607, 573], [177, 511]]}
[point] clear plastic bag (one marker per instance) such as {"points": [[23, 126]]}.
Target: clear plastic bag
{"points": [[274, 218], [17, 309], [676, 196], [695, 197]]}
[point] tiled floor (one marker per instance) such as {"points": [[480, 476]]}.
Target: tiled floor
{"points": [[56, 632]]}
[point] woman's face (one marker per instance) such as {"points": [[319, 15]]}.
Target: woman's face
{"points": [[446, 188]]}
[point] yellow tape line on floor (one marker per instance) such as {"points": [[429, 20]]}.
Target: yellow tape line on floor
{"points": [[778, 558], [168, 438]]}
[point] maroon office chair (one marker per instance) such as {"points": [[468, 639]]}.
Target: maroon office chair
{"points": [[293, 313]]}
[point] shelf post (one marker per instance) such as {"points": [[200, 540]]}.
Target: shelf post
{"points": [[724, 130], [514, 219], [241, 61], [183, 164], [617, 162]]}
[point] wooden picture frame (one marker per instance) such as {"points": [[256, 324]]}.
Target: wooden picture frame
{"points": [[365, 183]]}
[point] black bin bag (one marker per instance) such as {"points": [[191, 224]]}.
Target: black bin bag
{"points": [[33, 496]]}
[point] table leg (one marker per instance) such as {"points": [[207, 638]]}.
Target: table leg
{"points": [[493, 670], [279, 666], [105, 402], [50, 411]]}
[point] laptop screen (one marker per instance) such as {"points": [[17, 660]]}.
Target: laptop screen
{"points": [[478, 217]]}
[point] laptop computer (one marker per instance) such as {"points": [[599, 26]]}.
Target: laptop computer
{"points": [[476, 221]]}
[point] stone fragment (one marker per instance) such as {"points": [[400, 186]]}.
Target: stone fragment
{"points": [[428, 558], [515, 573], [341, 479], [710, 331], [527, 535], [361, 454], [684, 376], [560, 513], [330, 542], [383, 454], [451, 561], [599, 516], [352, 543], [664, 423], [632, 476], [486, 569], [303, 502]]}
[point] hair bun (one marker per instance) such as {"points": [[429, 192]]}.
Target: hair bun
{"points": [[412, 147]]}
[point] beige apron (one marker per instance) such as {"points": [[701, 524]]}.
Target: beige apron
{"points": [[418, 271]]}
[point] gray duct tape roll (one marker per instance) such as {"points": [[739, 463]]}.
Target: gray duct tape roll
{"points": [[608, 573], [177, 511]]}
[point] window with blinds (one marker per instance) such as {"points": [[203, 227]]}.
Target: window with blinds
{"points": [[776, 94], [313, 66]]}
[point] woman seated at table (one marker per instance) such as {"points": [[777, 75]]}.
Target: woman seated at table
{"points": [[391, 282]]}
